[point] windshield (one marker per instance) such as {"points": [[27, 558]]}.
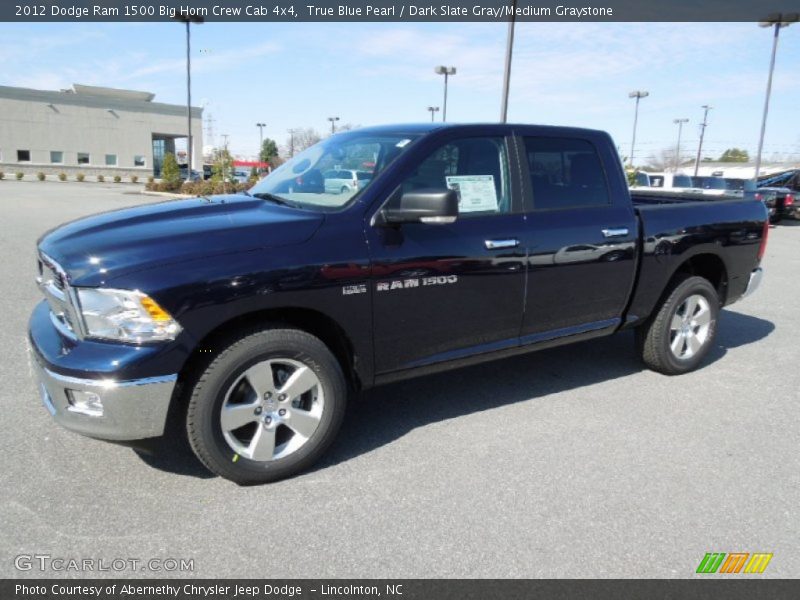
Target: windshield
{"points": [[330, 173]]}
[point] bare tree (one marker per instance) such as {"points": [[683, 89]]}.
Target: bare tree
{"points": [[300, 139], [664, 160]]}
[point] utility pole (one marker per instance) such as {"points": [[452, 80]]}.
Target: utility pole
{"points": [[776, 22], [446, 71], [433, 109], [679, 123], [333, 124], [638, 94], [703, 125], [260, 139], [507, 69], [291, 142]]}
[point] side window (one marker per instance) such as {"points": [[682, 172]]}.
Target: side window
{"points": [[476, 168], [565, 173]]}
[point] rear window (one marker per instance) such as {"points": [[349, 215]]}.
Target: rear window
{"points": [[736, 185], [363, 175], [682, 181], [565, 172]]}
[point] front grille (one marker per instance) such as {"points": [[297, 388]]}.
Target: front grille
{"points": [[54, 284]]}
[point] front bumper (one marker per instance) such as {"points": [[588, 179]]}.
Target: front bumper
{"points": [[131, 410], [755, 281]]}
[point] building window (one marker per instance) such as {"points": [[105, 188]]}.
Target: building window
{"points": [[138, 160], [83, 158], [56, 156], [111, 160], [23, 156]]}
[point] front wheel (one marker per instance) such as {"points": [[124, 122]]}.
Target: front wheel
{"points": [[683, 330], [267, 407]]}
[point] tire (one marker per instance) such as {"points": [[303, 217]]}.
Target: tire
{"points": [[345, 189], [673, 343], [265, 436]]}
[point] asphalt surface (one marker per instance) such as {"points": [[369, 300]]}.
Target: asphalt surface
{"points": [[573, 462]]}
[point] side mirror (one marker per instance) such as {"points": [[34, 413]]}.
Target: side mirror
{"points": [[438, 207]]}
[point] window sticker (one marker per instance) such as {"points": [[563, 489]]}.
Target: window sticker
{"points": [[476, 193]]}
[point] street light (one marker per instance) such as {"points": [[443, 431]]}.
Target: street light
{"points": [[507, 69], [679, 123], [775, 21], [260, 139], [189, 19], [291, 142], [446, 71], [333, 124], [638, 94], [432, 110], [703, 126]]}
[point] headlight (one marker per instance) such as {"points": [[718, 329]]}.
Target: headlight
{"points": [[124, 315]]}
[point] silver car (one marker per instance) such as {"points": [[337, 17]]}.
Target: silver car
{"points": [[345, 181]]}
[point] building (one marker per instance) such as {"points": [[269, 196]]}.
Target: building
{"points": [[91, 130]]}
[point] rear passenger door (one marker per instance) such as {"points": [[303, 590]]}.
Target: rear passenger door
{"points": [[580, 236]]}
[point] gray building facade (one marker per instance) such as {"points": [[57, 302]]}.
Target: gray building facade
{"points": [[91, 130]]}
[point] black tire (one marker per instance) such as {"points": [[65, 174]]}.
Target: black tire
{"points": [[344, 189], [655, 337], [203, 418]]}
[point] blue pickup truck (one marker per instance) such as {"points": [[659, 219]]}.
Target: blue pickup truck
{"points": [[253, 317]]}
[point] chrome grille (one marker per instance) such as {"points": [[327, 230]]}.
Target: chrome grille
{"points": [[53, 282]]}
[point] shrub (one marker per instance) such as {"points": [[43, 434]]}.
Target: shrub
{"points": [[80, 176], [170, 172], [117, 178], [134, 178], [40, 176], [100, 179], [62, 176], [2, 176], [19, 175], [151, 179]]}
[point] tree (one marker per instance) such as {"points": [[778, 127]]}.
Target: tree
{"points": [[170, 172], [222, 166], [734, 155], [269, 151], [302, 139]]}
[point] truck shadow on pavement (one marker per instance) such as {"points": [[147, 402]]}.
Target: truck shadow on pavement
{"points": [[389, 412]]}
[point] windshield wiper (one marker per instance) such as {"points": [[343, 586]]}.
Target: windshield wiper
{"points": [[274, 198]]}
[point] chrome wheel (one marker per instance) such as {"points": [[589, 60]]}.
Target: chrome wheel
{"points": [[272, 409], [690, 327]]}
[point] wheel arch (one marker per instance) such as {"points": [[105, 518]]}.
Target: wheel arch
{"points": [[707, 265]]}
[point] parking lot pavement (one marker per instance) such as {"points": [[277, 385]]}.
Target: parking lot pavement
{"points": [[573, 462]]}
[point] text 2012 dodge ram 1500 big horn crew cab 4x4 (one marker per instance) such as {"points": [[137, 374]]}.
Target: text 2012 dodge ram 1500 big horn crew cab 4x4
{"points": [[253, 315]]}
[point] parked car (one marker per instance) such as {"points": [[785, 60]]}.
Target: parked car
{"points": [[251, 317], [345, 181], [780, 203], [195, 175]]}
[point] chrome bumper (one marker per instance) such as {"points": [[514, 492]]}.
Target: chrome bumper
{"points": [[755, 280], [131, 410]]}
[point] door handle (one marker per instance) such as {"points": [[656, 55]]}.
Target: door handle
{"points": [[615, 232], [500, 244]]}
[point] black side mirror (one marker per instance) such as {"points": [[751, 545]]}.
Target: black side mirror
{"points": [[439, 207]]}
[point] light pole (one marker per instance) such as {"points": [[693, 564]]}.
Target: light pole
{"points": [[291, 142], [260, 139], [638, 94], [679, 123], [333, 124], [446, 71], [703, 125], [189, 19], [507, 69], [432, 110], [776, 22]]}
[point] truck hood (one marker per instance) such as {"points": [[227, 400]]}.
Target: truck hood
{"points": [[100, 248]]}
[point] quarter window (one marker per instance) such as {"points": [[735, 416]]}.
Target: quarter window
{"points": [[565, 173], [111, 160], [476, 168], [56, 156], [23, 156]]}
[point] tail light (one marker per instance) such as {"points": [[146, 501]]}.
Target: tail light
{"points": [[759, 197], [764, 234], [789, 200]]}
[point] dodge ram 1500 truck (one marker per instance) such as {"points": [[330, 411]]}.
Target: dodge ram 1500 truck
{"points": [[253, 316]]}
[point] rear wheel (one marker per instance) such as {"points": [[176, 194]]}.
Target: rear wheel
{"points": [[267, 407], [683, 330], [345, 189]]}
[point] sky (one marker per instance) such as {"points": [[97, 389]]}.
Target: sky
{"points": [[298, 74]]}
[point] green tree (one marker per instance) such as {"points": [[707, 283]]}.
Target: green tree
{"points": [[734, 155], [269, 151], [222, 167], [170, 172]]}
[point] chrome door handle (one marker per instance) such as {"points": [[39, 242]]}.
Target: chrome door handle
{"points": [[615, 232], [500, 244]]}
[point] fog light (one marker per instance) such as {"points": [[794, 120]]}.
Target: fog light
{"points": [[86, 403]]}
